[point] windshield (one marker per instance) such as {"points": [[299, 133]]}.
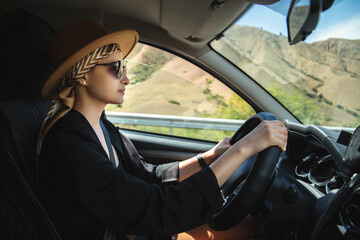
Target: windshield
{"points": [[317, 80]]}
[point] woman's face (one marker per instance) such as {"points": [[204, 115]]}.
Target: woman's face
{"points": [[102, 83]]}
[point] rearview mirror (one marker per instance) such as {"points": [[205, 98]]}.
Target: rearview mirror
{"points": [[302, 18]]}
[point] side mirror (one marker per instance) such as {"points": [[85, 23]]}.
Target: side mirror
{"points": [[302, 18]]}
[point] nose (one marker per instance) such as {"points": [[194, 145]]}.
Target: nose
{"points": [[125, 80]]}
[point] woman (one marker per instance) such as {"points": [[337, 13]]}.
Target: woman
{"points": [[95, 184]]}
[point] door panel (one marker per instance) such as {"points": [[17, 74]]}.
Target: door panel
{"points": [[161, 149]]}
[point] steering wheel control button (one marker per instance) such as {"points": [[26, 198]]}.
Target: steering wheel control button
{"points": [[290, 195]]}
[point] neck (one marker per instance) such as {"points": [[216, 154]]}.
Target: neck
{"points": [[91, 110], [92, 115]]}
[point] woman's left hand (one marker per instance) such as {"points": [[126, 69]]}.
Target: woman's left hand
{"points": [[214, 153], [191, 166]]}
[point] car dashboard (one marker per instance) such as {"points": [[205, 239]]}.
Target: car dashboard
{"points": [[312, 196]]}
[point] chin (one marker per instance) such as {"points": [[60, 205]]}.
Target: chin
{"points": [[116, 101]]}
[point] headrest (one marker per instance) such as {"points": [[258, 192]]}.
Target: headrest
{"points": [[24, 64]]}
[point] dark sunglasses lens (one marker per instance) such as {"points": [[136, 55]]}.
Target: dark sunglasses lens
{"points": [[121, 72], [117, 69]]}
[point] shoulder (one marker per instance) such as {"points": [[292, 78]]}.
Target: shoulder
{"points": [[73, 119], [73, 125]]}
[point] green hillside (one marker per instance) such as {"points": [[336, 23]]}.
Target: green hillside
{"points": [[309, 73]]}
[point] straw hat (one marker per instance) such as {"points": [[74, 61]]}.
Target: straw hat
{"points": [[77, 40]]}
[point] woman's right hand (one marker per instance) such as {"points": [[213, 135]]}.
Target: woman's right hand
{"points": [[266, 134]]}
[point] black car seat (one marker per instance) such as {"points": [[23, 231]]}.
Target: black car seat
{"points": [[24, 67]]}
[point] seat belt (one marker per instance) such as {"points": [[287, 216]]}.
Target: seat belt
{"points": [[108, 143]]}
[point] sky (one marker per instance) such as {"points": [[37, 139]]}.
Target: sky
{"points": [[342, 20]]}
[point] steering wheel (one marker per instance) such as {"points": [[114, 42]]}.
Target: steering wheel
{"points": [[247, 194]]}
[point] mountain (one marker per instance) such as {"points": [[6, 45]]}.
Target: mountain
{"points": [[328, 69], [342, 47]]}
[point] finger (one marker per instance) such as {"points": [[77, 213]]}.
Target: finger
{"points": [[278, 122], [279, 126], [278, 136], [282, 142], [275, 123]]}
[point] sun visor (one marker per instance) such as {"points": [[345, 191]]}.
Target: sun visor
{"points": [[211, 18]]}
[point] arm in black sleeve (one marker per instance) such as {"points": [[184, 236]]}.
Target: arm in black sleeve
{"points": [[130, 205], [162, 173]]}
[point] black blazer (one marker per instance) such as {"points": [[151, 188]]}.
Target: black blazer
{"points": [[85, 193]]}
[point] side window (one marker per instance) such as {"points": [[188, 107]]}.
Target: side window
{"points": [[169, 95]]}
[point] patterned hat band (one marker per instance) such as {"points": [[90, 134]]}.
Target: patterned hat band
{"points": [[83, 66]]}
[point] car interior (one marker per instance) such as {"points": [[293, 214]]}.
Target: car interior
{"points": [[285, 202]]}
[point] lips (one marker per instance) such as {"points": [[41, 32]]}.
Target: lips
{"points": [[122, 91]]}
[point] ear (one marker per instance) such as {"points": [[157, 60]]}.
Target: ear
{"points": [[82, 81]]}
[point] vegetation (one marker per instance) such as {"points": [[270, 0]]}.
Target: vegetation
{"points": [[174, 102], [211, 135], [234, 108], [301, 105], [151, 60]]}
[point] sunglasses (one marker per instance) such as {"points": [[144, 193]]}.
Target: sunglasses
{"points": [[116, 66]]}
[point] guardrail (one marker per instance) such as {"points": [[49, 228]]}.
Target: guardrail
{"points": [[184, 122], [173, 121]]}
